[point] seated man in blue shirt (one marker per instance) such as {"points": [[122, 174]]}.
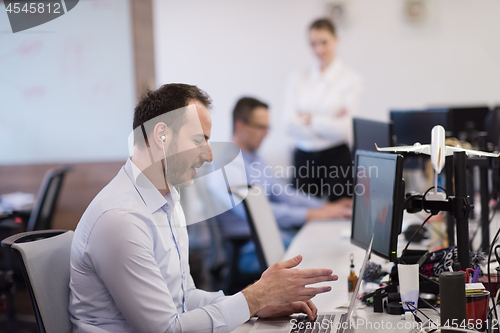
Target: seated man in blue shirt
{"points": [[129, 256], [291, 207]]}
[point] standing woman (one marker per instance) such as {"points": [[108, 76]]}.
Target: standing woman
{"points": [[321, 102]]}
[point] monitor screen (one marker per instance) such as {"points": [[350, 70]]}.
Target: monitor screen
{"points": [[406, 131], [462, 121], [492, 126], [378, 202], [367, 133]]}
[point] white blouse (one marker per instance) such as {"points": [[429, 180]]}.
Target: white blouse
{"points": [[331, 98]]}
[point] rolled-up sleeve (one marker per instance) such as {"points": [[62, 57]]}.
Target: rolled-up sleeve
{"points": [[121, 249]]}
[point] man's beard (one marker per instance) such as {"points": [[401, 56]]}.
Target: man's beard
{"points": [[177, 165]]}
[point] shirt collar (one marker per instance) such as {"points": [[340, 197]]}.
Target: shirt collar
{"points": [[153, 199], [251, 156], [330, 71]]}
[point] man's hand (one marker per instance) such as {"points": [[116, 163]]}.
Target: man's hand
{"points": [[280, 285], [306, 307], [333, 210], [345, 202]]}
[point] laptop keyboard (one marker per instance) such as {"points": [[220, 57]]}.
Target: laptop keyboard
{"points": [[322, 324]]}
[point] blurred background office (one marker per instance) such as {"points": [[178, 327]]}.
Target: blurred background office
{"points": [[68, 87], [447, 55]]}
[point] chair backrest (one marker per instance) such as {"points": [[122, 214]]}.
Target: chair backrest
{"points": [[265, 231], [46, 269], [43, 209]]}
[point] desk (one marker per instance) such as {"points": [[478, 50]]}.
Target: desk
{"points": [[328, 245], [14, 221]]}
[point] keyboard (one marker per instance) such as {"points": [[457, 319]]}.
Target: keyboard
{"points": [[322, 324]]}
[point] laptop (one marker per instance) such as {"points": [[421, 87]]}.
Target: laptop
{"points": [[337, 322]]}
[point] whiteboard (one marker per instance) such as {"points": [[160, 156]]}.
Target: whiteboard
{"points": [[67, 87]]}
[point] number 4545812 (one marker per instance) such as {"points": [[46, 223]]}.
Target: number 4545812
{"points": [[33, 7]]}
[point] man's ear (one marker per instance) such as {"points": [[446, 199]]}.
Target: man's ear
{"points": [[237, 126], [162, 135]]}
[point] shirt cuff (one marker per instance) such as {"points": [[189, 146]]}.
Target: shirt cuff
{"points": [[235, 310], [314, 202]]}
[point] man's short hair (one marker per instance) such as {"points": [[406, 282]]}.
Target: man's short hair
{"points": [[244, 108], [169, 97], [323, 24]]}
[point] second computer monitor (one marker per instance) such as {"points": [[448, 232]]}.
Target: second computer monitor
{"points": [[492, 126], [462, 121], [378, 202], [367, 133], [412, 126]]}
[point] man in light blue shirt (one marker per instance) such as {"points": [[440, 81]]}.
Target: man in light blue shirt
{"points": [[129, 256], [291, 207]]}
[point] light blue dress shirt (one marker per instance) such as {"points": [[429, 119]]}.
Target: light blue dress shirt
{"points": [[289, 205], [129, 266]]}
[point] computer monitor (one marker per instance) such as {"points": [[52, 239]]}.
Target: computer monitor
{"points": [[463, 121], [492, 126], [378, 202], [367, 133], [412, 126]]}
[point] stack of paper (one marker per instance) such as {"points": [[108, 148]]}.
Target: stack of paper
{"points": [[474, 288], [16, 200]]}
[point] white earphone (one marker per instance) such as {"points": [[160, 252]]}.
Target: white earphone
{"points": [[175, 237], [164, 154]]}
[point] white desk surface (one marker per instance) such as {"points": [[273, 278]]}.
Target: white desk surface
{"points": [[328, 245]]}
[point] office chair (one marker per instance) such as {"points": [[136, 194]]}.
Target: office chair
{"points": [[45, 261], [223, 250], [43, 209], [223, 260], [226, 274], [265, 231], [40, 219]]}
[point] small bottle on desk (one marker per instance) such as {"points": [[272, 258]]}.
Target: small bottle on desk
{"points": [[352, 279]]}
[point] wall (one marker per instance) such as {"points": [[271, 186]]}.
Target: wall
{"points": [[79, 188], [67, 86], [67, 92], [235, 48]]}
